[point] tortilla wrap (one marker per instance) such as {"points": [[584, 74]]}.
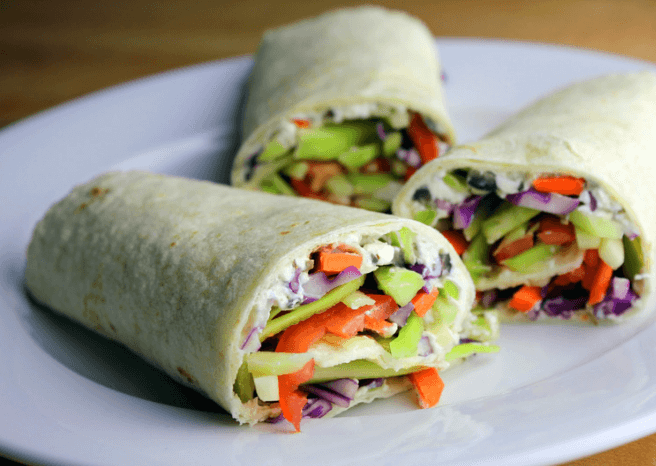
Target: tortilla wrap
{"points": [[186, 272], [601, 130], [354, 63]]}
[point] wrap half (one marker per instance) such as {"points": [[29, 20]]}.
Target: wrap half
{"points": [[552, 210], [268, 305], [343, 107]]}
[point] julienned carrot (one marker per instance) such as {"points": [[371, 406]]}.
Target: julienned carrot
{"points": [[292, 400], [331, 261], [568, 278], [514, 248], [302, 188], [340, 320], [526, 298], [429, 386], [567, 185], [377, 165], [302, 123], [600, 283], [590, 262], [409, 172], [552, 231], [457, 240], [423, 138], [591, 257], [297, 339], [380, 326], [424, 301], [377, 314]]}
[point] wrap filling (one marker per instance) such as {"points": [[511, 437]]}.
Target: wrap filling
{"points": [[357, 156], [546, 245], [358, 321]]}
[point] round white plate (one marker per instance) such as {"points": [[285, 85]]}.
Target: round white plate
{"points": [[554, 393]]}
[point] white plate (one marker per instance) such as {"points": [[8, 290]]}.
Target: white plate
{"points": [[554, 393]]}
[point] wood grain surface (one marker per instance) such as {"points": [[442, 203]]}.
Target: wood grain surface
{"points": [[53, 51]]}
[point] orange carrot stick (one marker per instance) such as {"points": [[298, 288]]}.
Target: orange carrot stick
{"points": [[292, 400], [567, 185], [423, 138], [554, 232], [526, 298], [457, 240], [429, 386], [331, 261], [600, 283], [424, 301], [568, 278], [301, 123]]}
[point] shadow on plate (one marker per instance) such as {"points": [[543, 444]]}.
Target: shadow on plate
{"points": [[106, 362]]}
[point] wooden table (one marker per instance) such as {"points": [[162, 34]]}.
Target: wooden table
{"points": [[54, 51]]}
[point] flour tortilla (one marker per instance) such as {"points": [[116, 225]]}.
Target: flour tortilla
{"points": [[602, 130], [179, 270], [348, 58]]}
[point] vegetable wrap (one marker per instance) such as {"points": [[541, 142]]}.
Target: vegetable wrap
{"points": [[551, 210], [343, 107], [266, 304]]}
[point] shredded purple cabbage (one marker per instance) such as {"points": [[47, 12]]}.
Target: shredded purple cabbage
{"points": [[546, 202], [409, 156], [424, 347], [400, 317], [612, 306], [328, 395], [319, 284], [445, 206], [295, 284], [380, 129], [562, 307], [464, 212], [316, 408], [251, 342], [593, 202]]}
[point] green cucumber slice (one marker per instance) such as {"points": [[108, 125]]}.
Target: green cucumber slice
{"points": [[296, 170], [244, 385], [530, 260], [330, 141], [358, 369], [405, 344], [446, 310], [368, 183], [399, 283], [467, 349], [632, 257], [373, 204], [279, 184], [586, 240], [505, 219], [451, 289], [425, 216], [308, 310], [611, 251], [476, 257], [392, 143], [457, 182], [273, 151], [263, 363], [357, 157], [339, 185], [597, 226]]}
